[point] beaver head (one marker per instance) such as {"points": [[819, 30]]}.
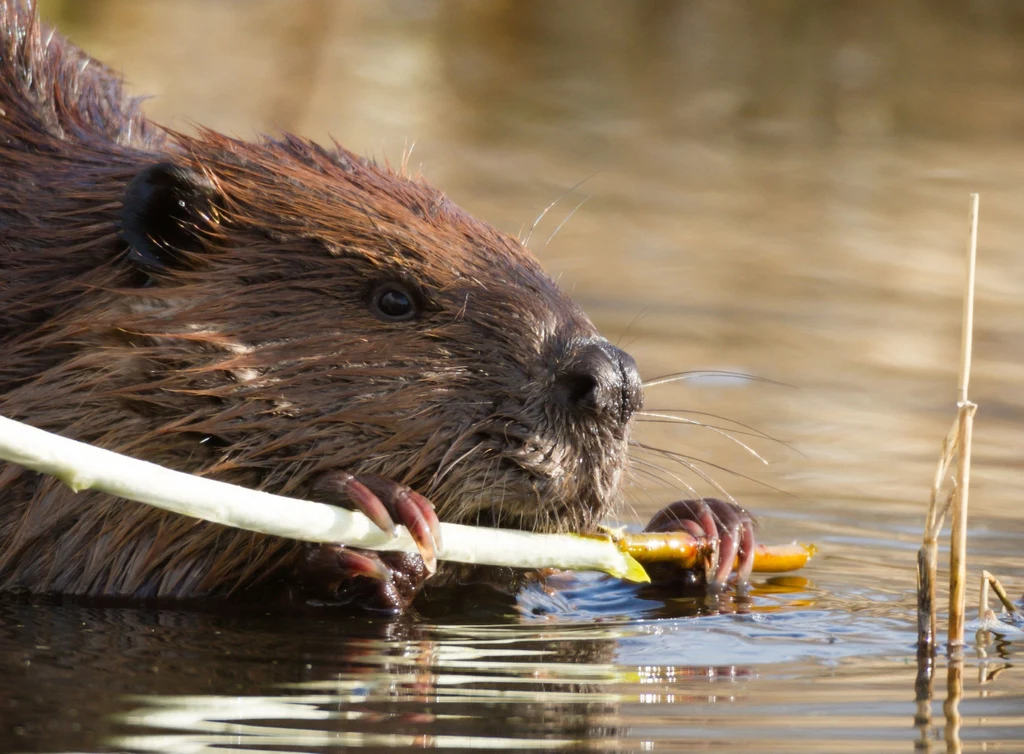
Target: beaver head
{"points": [[267, 314], [309, 310]]}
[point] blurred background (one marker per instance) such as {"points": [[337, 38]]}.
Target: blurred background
{"points": [[778, 188]]}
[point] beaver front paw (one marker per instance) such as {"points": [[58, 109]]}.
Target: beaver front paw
{"points": [[384, 581], [372, 580], [386, 503], [724, 522]]}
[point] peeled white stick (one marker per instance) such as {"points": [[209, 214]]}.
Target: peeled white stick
{"points": [[84, 467]]}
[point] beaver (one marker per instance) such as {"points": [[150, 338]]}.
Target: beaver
{"points": [[288, 317]]}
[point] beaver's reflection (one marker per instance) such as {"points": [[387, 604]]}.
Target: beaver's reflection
{"points": [[473, 665]]}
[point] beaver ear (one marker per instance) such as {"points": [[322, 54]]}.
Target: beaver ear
{"points": [[165, 207]]}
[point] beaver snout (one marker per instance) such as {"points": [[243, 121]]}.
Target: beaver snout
{"points": [[600, 380]]}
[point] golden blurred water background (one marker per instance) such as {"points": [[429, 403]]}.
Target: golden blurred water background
{"points": [[775, 188]]}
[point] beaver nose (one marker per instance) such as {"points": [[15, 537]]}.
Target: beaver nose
{"points": [[600, 379]]}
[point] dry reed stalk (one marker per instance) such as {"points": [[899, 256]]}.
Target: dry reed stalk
{"points": [[965, 421], [990, 582], [957, 443]]}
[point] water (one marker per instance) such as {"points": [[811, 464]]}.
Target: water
{"points": [[778, 189]]}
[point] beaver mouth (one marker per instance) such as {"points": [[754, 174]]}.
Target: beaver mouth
{"points": [[531, 483], [562, 518]]}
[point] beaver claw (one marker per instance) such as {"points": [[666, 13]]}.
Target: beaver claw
{"points": [[384, 502], [724, 522]]}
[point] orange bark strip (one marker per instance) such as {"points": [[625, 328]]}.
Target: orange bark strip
{"points": [[688, 551], [782, 558]]}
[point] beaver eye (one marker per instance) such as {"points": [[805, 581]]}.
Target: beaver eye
{"points": [[393, 302]]}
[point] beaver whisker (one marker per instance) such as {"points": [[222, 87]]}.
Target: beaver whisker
{"points": [[726, 431], [443, 471], [536, 222], [467, 501], [690, 464], [650, 468], [692, 493], [567, 218], [629, 327], [632, 483], [545, 514], [746, 429], [504, 491], [693, 422], [649, 486], [696, 373], [691, 461], [637, 486], [423, 460]]}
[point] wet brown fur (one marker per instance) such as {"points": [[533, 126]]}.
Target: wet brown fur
{"points": [[256, 360]]}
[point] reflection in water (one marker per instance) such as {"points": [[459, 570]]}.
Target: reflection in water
{"points": [[771, 188], [183, 682], [514, 687]]}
